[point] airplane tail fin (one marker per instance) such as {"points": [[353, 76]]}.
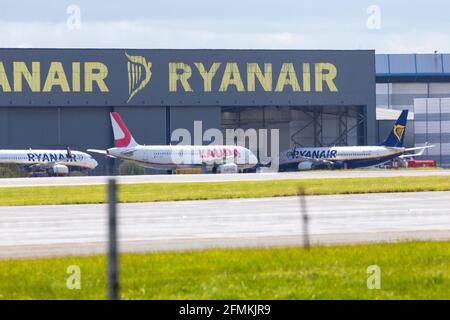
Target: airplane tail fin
{"points": [[122, 136], [397, 135]]}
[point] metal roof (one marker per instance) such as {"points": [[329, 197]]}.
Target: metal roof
{"points": [[412, 65], [391, 114]]}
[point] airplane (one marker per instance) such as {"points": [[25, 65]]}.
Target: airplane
{"points": [[52, 162], [350, 156], [211, 158]]}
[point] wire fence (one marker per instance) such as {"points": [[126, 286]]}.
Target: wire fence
{"points": [[113, 250]]}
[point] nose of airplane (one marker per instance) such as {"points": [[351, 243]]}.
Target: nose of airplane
{"points": [[253, 159]]}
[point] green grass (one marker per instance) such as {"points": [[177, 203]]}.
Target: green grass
{"points": [[410, 270], [217, 190]]}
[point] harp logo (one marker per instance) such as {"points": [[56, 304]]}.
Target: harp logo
{"points": [[139, 74], [398, 131]]}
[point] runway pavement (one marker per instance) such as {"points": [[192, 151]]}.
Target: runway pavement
{"points": [[31, 231], [93, 180]]}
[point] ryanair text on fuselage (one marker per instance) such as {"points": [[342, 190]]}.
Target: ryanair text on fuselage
{"points": [[50, 157], [318, 154]]}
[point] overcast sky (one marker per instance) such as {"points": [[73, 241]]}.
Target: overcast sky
{"points": [[388, 26]]}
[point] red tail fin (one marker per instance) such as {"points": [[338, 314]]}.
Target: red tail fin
{"points": [[122, 136]]}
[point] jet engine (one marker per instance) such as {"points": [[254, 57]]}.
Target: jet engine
{"points": [[228, 168], [305, 165], [58, 170]]}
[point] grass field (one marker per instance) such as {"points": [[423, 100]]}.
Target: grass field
{"points": [[217, 190], [410, 270]]}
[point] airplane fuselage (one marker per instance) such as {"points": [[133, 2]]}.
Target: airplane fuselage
{"points": [[36, 157], [339, 157], [172, 157]]}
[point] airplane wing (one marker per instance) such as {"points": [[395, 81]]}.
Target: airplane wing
{"points": [[103, 152], [315, 160], [43, 166], [98, 151], [422, 150], [412, 155], [418, 148]]}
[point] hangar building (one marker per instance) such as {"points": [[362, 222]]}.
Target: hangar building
{"points": [[421, 84], [52, 98]]}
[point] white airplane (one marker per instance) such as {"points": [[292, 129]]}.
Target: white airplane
{"points": [[351, 156], [53, 162], [213, 158]]}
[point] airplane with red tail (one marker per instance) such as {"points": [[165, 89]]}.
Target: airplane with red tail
{"points": [[211, 158]]}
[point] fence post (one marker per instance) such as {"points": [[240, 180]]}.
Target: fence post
{"points": [[304, 217], [113, 262]]}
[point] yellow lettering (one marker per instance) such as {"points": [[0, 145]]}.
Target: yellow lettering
{"points": [[207, 75], [98, 77], [76, 76], [4, 83], [56, 77], [287, 77], [328, 77], [231, 76], [183, 77], [33, 78], [306, 77], [264, 79]]}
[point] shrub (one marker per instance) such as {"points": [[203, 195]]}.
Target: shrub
{"points": [[127, 168], [12, 171]]}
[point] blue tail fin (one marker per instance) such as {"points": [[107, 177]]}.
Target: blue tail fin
{"points": [[397, 135]]}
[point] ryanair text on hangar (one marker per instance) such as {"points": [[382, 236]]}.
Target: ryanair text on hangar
{"points": [[89, 77], [305, 77], [39, 80]]}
